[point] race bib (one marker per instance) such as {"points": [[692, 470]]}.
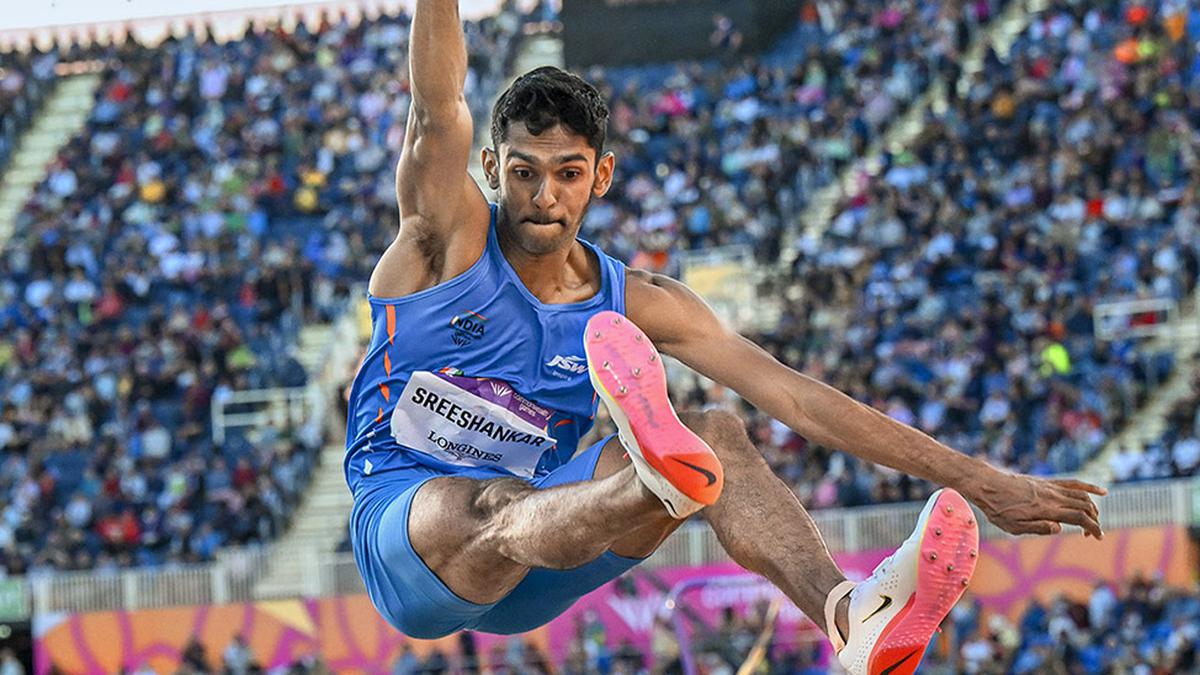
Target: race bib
{"points": [[468, 421]]}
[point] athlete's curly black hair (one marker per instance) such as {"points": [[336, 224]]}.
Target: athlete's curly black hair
{"points": [[547, 96]]}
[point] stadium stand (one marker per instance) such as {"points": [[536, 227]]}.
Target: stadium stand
{"points": [[966, 271], [168, 259], [724, 152], [25, 78], [1175, 454], [217, 135], [223, 195]]}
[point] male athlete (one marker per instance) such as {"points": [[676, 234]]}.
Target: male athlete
{"points": [[496, 331]]}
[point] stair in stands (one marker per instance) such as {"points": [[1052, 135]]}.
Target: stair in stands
{"points": [[1149, 423], [822, 207], [317, 528], [329, 353], [64, 112]]}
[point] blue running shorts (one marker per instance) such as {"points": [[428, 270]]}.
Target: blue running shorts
{"points": [[416, 602]]}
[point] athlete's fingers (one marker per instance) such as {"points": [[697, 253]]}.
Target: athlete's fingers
{"points": [[1080, 485], [1083, 519], [1083, 503], [1039, 527]]}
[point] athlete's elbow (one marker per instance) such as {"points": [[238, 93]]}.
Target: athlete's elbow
{"points": [[438, 110], [805, 418]]}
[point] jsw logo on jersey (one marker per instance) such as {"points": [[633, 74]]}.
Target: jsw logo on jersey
{"points": [[571, 364]]}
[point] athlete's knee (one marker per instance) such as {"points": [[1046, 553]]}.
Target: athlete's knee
{"points": [[437, 502], [716, 426], [493, 513], [725, 433], [493, 497]]}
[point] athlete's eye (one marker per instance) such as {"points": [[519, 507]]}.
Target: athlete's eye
{"points": [[523, 174], [572, 174]]}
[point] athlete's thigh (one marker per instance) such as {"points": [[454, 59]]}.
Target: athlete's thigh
{"points": [[446, 523], [544, 594], [419, 599]]}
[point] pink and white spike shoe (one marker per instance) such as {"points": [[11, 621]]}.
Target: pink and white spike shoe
{"points": [[895, 611], [671, 460]]}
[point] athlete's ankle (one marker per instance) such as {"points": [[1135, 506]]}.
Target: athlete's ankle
{"points": [[837, 613], [841, 619]]}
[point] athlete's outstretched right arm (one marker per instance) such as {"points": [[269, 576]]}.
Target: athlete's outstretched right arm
{"points": [[443, 215]]}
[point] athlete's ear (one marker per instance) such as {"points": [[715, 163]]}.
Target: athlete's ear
{"points": [[604, 174], [491, 168]]}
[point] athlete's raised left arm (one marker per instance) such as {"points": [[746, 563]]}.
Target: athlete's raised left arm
{"points": [[681, 324]]}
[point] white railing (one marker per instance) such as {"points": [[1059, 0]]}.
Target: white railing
{"points": [[1115, 320], [284, 407], [229, 579], [233, 576]]}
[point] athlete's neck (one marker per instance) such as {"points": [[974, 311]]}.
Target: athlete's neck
{"points": [[567, 275]]}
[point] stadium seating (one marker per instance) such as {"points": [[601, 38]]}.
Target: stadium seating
{"points": [[1175, 454], [25, 79], [220, 196], [278, 148], [955, 290], [729, 152]]}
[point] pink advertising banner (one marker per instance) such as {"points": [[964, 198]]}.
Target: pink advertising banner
{"points": [[1010, 573], [351, 637]]}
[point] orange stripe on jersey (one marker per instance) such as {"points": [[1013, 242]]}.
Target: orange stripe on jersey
{"points": [[562, 422], [391, 323], [387, 363], [379, 418], [387, 393]]}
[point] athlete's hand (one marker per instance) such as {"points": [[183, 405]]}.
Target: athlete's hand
{"points": [[1021, 504]]}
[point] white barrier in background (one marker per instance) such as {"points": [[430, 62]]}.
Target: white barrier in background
{"points": [[284, 407], [1116, 320], [232, 577]]}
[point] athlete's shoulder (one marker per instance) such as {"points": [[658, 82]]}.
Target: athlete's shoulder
{"points": [[661, 306], [421, 257]]}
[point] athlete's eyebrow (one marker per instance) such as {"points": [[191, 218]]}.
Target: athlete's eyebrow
{"points": [[561, 159]]}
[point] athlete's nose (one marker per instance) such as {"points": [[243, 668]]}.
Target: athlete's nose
{"points": [[544, 197]]}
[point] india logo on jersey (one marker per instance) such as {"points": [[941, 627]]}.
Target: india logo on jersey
{"points": [[468, 327]]}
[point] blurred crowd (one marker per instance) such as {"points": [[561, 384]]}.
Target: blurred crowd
{"points": [[223, 195], [25, 79], [730, 152], [219, 197], [955, 289], [1141, 627], [1174, 454]]}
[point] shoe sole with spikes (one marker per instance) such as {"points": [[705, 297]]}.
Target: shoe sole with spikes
{"points": [[670, 459], [895, 612]]}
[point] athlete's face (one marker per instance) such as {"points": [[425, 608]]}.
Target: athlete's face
{"points": [[545, 184]]}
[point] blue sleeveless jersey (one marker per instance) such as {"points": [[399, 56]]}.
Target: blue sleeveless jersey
{"points": [[476, 375]]}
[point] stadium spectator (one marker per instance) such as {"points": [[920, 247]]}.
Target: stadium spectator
{"points": [[9, 665], [238, 658]]}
